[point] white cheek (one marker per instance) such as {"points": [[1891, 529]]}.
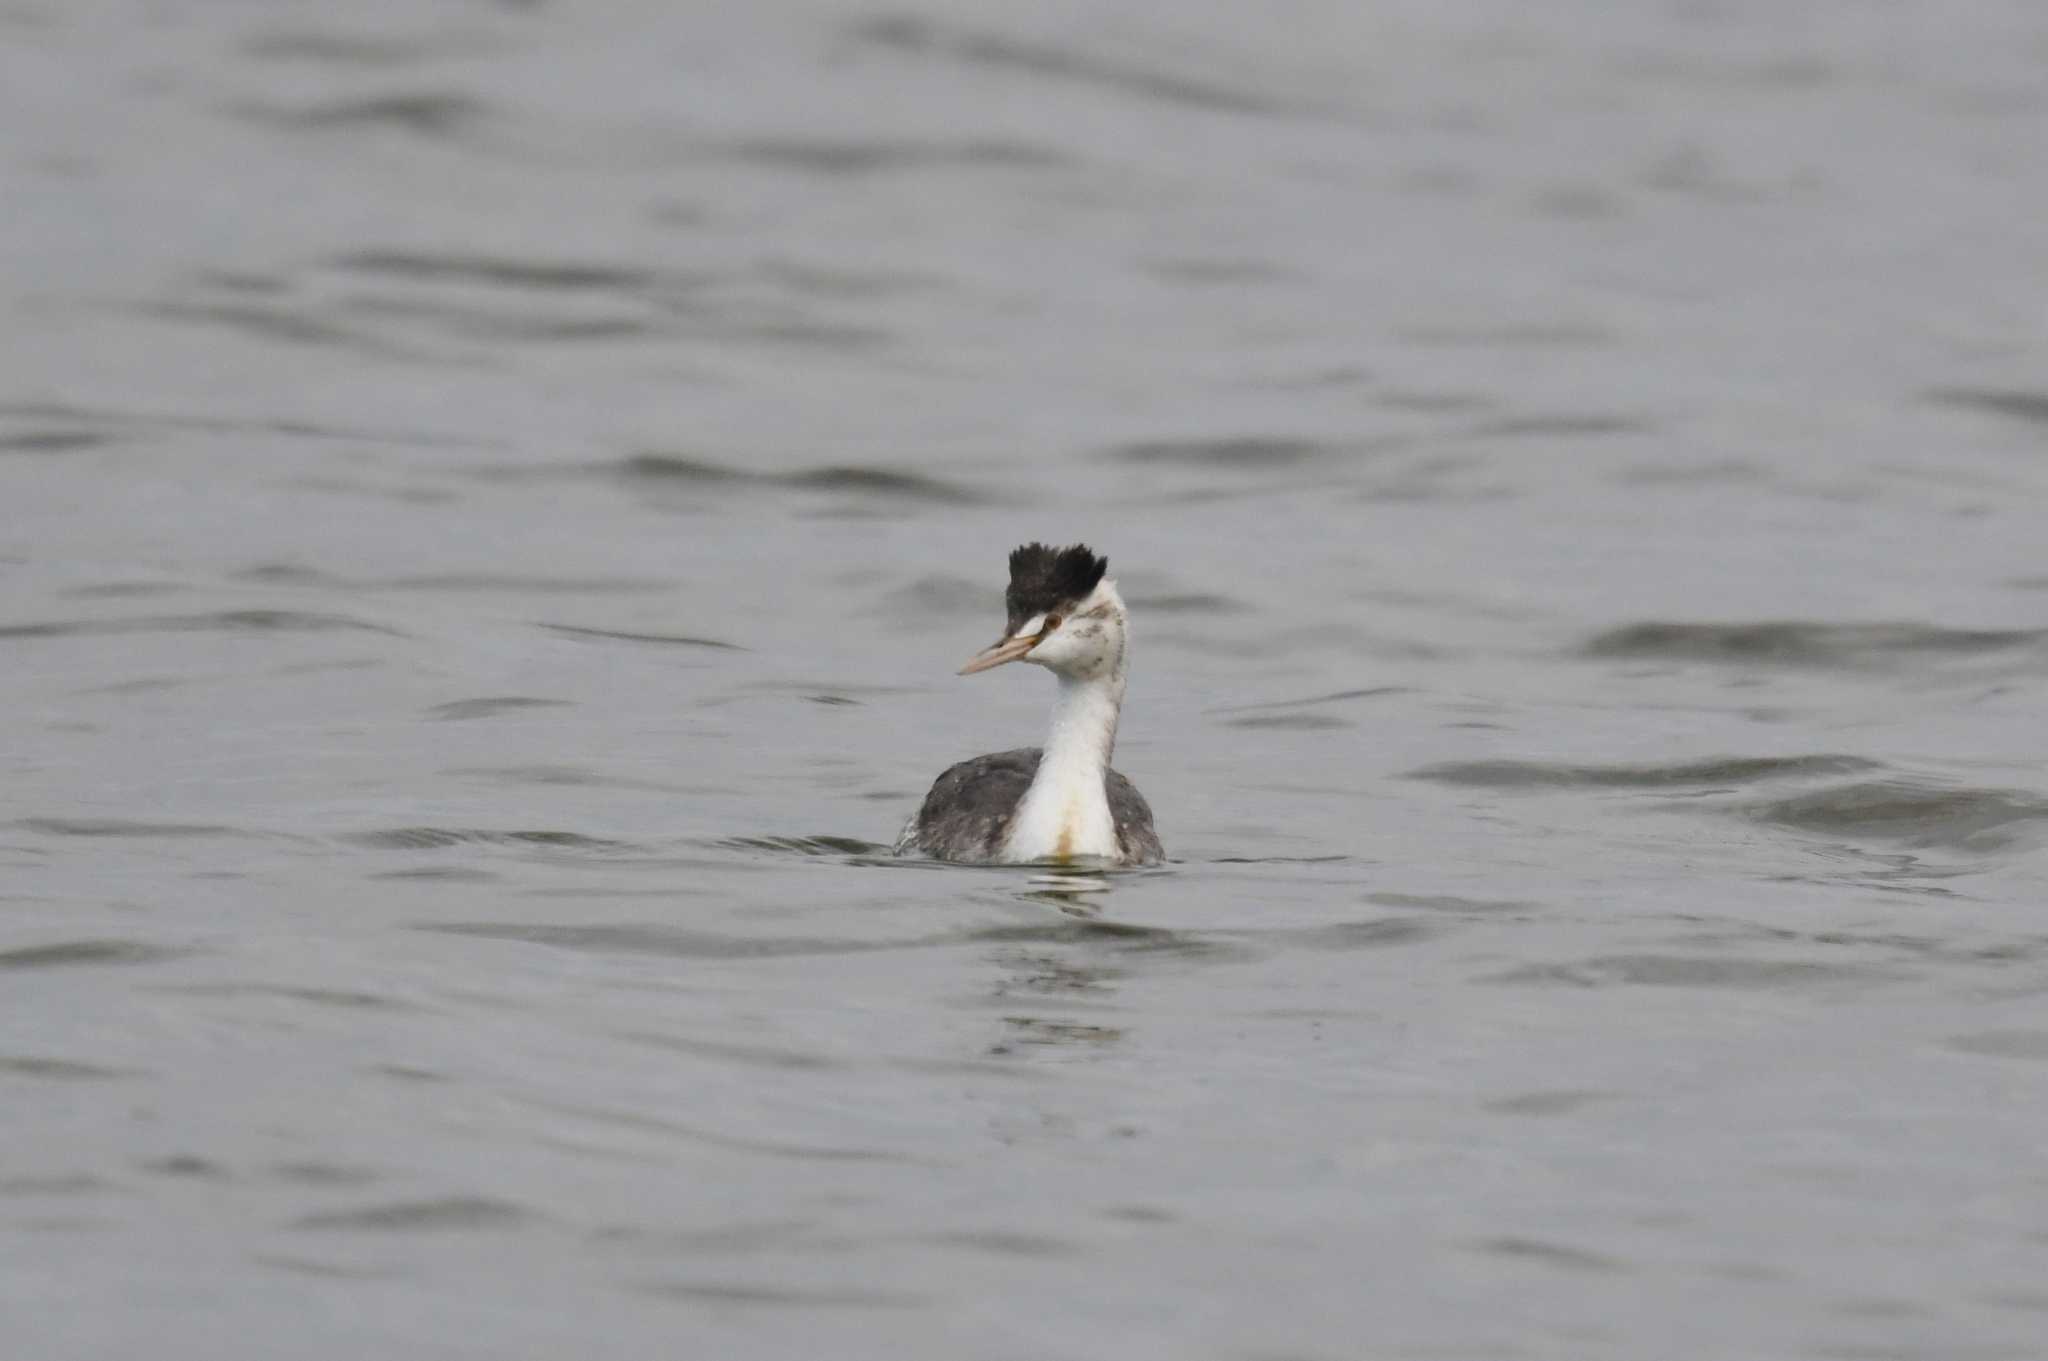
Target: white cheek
{"points": [[1031, 627]]}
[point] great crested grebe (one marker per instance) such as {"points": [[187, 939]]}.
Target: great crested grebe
{"points": [[1061, 802]]}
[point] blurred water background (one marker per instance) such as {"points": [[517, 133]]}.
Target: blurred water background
{"points": [[491, 497]]}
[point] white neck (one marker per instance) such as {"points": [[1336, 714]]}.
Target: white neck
{"points": [[1065, 813]]}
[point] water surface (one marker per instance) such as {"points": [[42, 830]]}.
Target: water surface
{"points": [[493, 499]]}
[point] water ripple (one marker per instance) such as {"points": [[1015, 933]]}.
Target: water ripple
{"points": [[63, 1070], [1547, 1253], [413, 1216], [65, 954], [122, 828], [1724, 770], [1911, 812], [490, 706], [439, 838], [52, 441], [572, 276], [1258, 453], [919, 36], [424, 113], [889, 483], [696, 1134], [879, 155], [633, 938], [2004, 1044], [780, 1297], [1694, 971], [805, 845], [624, 636], [2018, 405], [219, 621], [1804, 643]]}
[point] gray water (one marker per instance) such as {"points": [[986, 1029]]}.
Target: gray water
{"points": [[491, 499]]}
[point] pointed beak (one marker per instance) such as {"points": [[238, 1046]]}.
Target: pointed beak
{"points": [[1008, 650]]}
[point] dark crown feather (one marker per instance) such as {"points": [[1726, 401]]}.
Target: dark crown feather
{"points": [[1043, 578]]}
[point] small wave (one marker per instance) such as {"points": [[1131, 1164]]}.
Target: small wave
{"points": [[123, 827], [519, 585], [54, 1184], [1549, 1253], [61, 1070], [411, 1216], [270, 322], [919, 36], [780, 1297], [559, 775], [1530, 335], [475, 321], [1283, 722], [804, 845], [1585, 426], [358, 49], [1910, 812], [153, 421], [1803, 643], [220, 621], [52, 441], [2003, 1044], [1435, 403], [2017, 405], [122, 590], [810, 279], [880, 482], [1229, 273], [313, 1173], [65, 954], [1708, 473], [877, 155], [889, 483], [671, 942], [570, 276], [625, 636], [1253, 452], [1129, 937], [1045, 1033], [1373, 933], [346, 998], [1724, 770], [1449, 903], [440, 838], [736, 1143], [747, 1055], [490, 706], [1004, 1242], [425, 113], [1692, 971], [1313, 701], [1561, 1102], [184, 1165]]}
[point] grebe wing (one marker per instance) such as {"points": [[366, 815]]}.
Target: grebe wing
{"points": [[1135, 837], [971, 805]]}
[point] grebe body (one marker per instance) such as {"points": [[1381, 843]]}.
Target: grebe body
{"points": [[1059, 803]]}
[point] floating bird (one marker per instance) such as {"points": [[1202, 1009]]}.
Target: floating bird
{"points": [[1061, 802]]}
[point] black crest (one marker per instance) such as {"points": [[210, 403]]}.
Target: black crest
{"points": [[1043, 578]]}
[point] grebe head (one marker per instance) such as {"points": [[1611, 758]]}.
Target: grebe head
{"points": [[1063, 614]]}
